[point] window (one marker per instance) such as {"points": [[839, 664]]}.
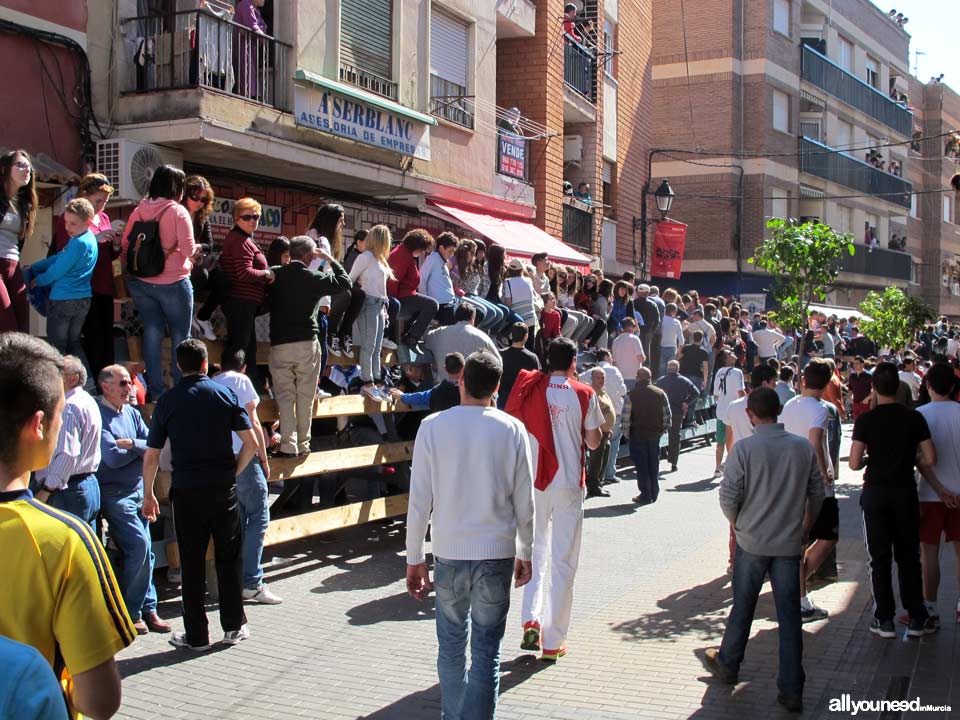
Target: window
{"points": [[914, 209], [608, 46], [844, 219], [366, 45], [608, 199], [449, 60], [948, 208], [781, 16], [781, 111], [873, 72], [810, 129], [780, 207], [846, 55], [844, 135]]}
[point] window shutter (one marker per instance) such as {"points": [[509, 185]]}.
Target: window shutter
{"points": [[366, 36], [448, 47]]}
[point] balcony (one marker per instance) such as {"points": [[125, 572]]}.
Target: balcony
{"points": [[820, 160], [371, 82], [578, 228], [878, 263], [197, 49], [516, 19], [579, 69], [450, 102], [830, 77]]}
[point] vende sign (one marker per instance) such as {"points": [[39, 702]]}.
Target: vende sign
{"points": [[330, 112], [668, 243], [512, 156], [271, 222]]}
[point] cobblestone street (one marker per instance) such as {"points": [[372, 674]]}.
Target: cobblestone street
{"points": [[651, 592]]}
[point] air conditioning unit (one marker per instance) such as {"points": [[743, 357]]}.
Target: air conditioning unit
{"points": [[129, 165], [572, 148]]}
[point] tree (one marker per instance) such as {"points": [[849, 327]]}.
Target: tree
{"points": [[895, 317], [804, 261]]}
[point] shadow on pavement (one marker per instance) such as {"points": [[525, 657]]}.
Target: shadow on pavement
{"points": [[704, 485], [701, 610], [611, 510], [426, 703], [396, 608], [174, 656]]}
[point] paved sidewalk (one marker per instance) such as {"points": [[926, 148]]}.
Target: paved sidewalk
{"points": [[651, 592]]}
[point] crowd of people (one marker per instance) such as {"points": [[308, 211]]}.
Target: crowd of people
{"points": [[555, 366]]}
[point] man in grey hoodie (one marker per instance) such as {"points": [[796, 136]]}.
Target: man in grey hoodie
{"points": [[771, 491]]}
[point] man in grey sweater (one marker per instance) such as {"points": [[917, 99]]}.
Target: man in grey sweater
{"points": [[771, 491]]}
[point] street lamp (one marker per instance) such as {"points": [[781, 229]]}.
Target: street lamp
{"points": [[664, 196]]}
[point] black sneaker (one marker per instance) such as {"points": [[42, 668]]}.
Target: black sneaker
{"points": [[813, 614], [919, 628], [792, 703], [885, 629]]}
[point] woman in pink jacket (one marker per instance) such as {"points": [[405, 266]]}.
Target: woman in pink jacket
{"points": [[164, 301]]}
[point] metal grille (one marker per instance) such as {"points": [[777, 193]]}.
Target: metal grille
{"points": [[447, 100], [368, 81], [580, 69], [852, 173]]}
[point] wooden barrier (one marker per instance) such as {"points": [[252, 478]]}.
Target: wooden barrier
{"points": [[321, 521]]}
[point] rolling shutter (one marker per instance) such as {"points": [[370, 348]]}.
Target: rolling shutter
{"points": [[366, 36], [448, 47]]}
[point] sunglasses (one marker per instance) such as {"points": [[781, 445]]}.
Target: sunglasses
{"points": [[23, 165], [124, 383], [198, 196], [249, 218]]}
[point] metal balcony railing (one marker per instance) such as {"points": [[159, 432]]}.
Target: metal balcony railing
{"points": [[579, 68], [199, 49], [369, 81], [830, 77], [878, 263], [820, 160], [578, 228], [450, 102]]}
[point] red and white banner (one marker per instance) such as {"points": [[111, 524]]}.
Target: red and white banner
{"points": [[668, 242]]}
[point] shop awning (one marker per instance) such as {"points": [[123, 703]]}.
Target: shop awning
{"points": [[518, 238], [840, 312], [48, 170]]}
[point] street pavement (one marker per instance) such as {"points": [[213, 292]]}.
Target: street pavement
{"points": [[652, 592]]}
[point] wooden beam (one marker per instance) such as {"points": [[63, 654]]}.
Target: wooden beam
{"points": [[321, 521], [215, 350]]}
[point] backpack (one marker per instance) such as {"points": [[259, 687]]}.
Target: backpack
{"points": [[145, 254]]}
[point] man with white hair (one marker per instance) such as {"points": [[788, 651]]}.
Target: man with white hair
{"points": [[69, 482], [617, 389]]}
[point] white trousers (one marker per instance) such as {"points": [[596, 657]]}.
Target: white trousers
{"points": [[558, 521]]}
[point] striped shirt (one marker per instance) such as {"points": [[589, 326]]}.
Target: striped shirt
{"points": [[78, 447], [60, 595]]}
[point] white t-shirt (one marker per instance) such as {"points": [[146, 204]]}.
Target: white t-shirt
{"points": [[671, 333], [913, 381], [767, 341], [322, 244], [370, 275], [727, 385], [829, 347], [738, 421], [625, 350], [565, 416], [802, 414], [241, 385], [953, 347], [943, 418]]}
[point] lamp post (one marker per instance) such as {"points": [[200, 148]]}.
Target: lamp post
{"points": [[664, 197]]}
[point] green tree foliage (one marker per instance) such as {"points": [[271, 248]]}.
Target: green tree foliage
{"points": [[804, 261], [895, 317]]}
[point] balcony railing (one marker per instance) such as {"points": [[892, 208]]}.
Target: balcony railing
{"points": [[449, 101], [198, 49], [878, 263], [369, 81], [578, 228], [820, 160], [830, 77], [580, 68]]}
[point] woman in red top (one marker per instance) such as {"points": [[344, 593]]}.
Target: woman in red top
{"points": [[98, 327], [416, 311], [246, 269]]}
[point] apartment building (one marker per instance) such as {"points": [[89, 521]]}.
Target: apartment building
{"points": [[934, 158], [784, 108]]}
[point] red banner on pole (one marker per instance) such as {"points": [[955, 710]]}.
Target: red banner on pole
{"points": [[668, 241]]}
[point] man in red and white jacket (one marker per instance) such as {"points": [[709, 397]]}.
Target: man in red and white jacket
{"points": [[560, 415]]}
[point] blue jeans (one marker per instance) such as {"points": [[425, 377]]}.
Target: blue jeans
{"points": [[368, 331], [254, 516], [161, 307], [666, 355], [645, 452], [492, 315], [482, 589], [65, 320], [748, 574], [131, 531], [610, 473], [80, 498]]}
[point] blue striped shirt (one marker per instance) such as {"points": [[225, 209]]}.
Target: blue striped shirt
{"points": [[78, 447]]}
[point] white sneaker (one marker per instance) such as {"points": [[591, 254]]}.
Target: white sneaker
{"points": [[179, 640], [370, 391], [205, 328], [261, 595], [388, 344], [233, 637], [322, 394]]}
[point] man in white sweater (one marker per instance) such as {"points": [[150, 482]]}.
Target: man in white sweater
{"points": [[482, 532]]}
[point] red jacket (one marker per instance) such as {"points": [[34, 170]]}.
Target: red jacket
{"points": [[551, 324], [528, 404], [405, 270]]}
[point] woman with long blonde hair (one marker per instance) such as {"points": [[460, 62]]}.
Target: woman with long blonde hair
{"points": [[370, 271]]}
